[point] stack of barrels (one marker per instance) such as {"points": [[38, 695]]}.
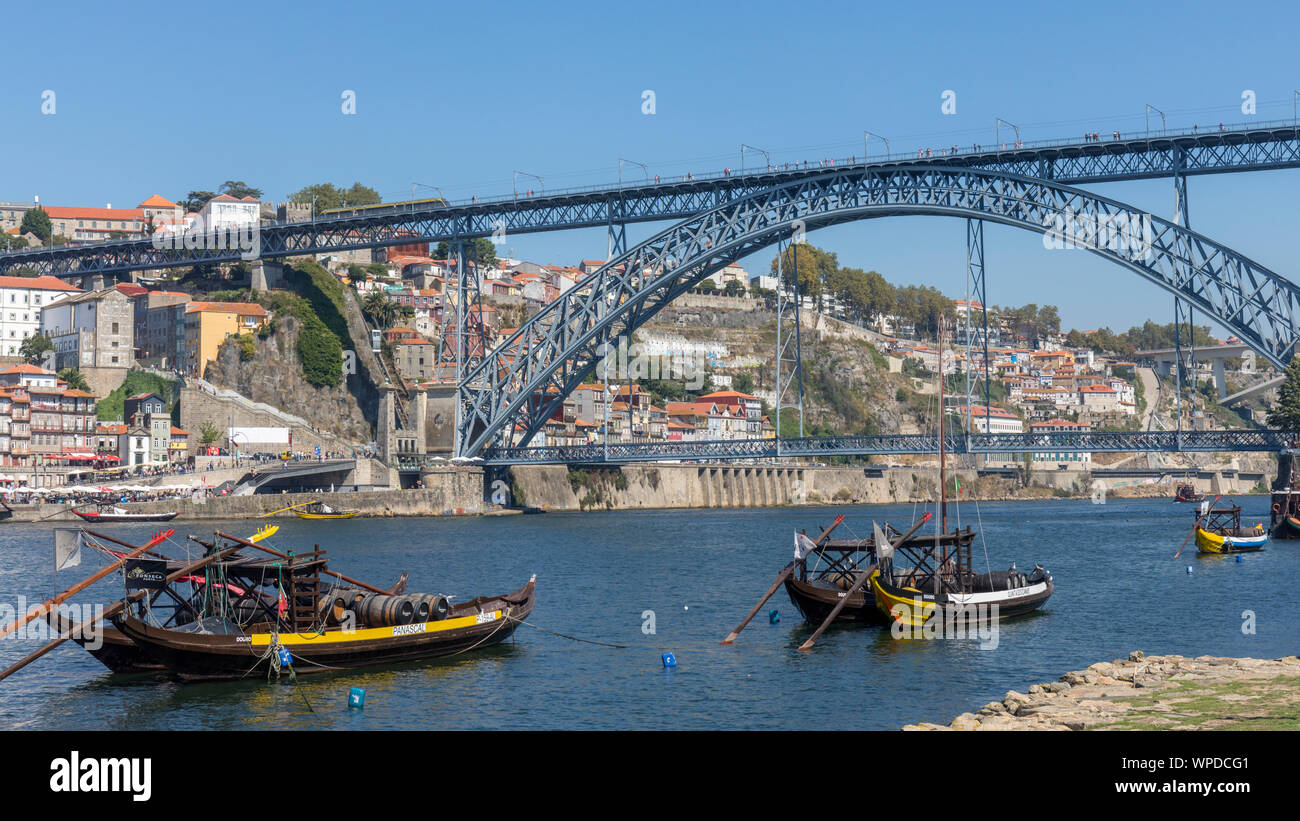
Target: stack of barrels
{"points": [[382, 610]]}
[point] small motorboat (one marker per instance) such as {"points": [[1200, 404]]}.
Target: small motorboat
{"points": [[1219, 532], [320, 510], [1186, 492], [112, 513]]}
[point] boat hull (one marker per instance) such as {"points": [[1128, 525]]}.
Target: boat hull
{"points": [[815, 603], [127, 517], [115, 651], [349, 515], [912, 608], [194, 656], [1218, 544], [1287, 527]]}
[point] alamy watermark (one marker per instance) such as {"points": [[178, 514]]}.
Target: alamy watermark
{"points": [[632, 363], [243, 236], [86, 617], [972, 621], [1123, 233]]}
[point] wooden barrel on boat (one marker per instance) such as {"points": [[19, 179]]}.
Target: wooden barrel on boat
{"points": [[438, 606], [421, 607], [380, 610], [331, 608]]}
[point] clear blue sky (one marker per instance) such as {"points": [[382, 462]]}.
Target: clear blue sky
{"points": [[166, 98]]}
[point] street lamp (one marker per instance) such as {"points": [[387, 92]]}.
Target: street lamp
{"points": [[743, 148], [997, 123], [866, 135], [526, 174], [1147, 113], [644, 168], [426, 185]]}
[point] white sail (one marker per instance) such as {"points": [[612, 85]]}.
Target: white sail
{"points": [[884, 550]]}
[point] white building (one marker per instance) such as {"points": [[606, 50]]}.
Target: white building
{"points": [[224, 210], [21, 301]]}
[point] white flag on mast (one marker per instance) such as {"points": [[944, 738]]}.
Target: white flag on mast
{"points": [[803, 546]]}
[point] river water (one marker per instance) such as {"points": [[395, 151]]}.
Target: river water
{"points": [[698, 572]]}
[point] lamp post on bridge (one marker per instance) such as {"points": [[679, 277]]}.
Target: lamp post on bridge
{"points": [[744, 147], [441, 193], [866, 135], [1163, 125], [998, 122], [526, 174], [644, 168]]}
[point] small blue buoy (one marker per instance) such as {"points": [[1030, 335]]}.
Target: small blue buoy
{"points": [[357, 697], [1189, 570], [773, 617], [1241, 559], [669, 660], [286, 659]]}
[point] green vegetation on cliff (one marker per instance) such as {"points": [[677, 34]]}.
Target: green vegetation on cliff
{"points": [[314, 297], [110, 407]]}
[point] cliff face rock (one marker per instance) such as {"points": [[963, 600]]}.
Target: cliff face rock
{"points": [[274, 376]]}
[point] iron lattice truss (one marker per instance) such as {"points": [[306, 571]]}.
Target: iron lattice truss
{"points": [[521, 384], [1241, 149], [883, 445]]}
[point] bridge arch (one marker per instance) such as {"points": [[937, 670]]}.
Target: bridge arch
{"points": [[521, 383]]}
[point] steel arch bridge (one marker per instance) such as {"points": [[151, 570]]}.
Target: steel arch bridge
{"points": [[1182, 154], [520, 385]]}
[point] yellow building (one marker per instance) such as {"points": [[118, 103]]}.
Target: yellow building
{"points": [[207, 324]]}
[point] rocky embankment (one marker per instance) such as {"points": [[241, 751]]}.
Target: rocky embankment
{"points": [[1151, 693]]}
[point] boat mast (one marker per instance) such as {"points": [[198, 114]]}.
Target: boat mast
{"points": [[943, 474]]}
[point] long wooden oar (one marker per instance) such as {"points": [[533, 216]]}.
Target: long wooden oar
{"points": [[857, 585], [780, 579], [110, 611], [44, 607], [1195, 525], [280, 555], [290, 507]]}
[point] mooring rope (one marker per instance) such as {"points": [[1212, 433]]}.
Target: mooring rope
{"points": [[564, 636]]}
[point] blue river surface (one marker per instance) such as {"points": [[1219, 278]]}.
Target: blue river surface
{"points": [[1118, 589]]}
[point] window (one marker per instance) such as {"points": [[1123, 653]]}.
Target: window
{"points": [[115, 328]]}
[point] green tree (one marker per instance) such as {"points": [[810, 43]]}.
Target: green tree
{"points": [[743, 383], [34, 347], [381, 310], [75, 379], [37, 221], [1286, 413], [240, 189], [356, 274], [326, 195], [816, 268], [487, 252], [208, 432], [195, 200]]}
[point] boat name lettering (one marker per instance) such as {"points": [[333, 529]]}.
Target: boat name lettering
{"points": [[243, 638], [485, 617], [408, 629]]}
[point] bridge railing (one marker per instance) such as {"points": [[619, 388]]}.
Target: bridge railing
{"points": [[668, 181], [897, 444]]}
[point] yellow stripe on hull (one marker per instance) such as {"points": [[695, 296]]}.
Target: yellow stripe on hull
{"points": [[326, 515], [370, 633], [913, 612], [1218, 545]]}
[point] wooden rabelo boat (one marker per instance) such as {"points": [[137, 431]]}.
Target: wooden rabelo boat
{"points": [[260, 615], [1284, 515], [1186, 492], [1219, 532], [932, 577], [112, 513], [321, 510]]}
